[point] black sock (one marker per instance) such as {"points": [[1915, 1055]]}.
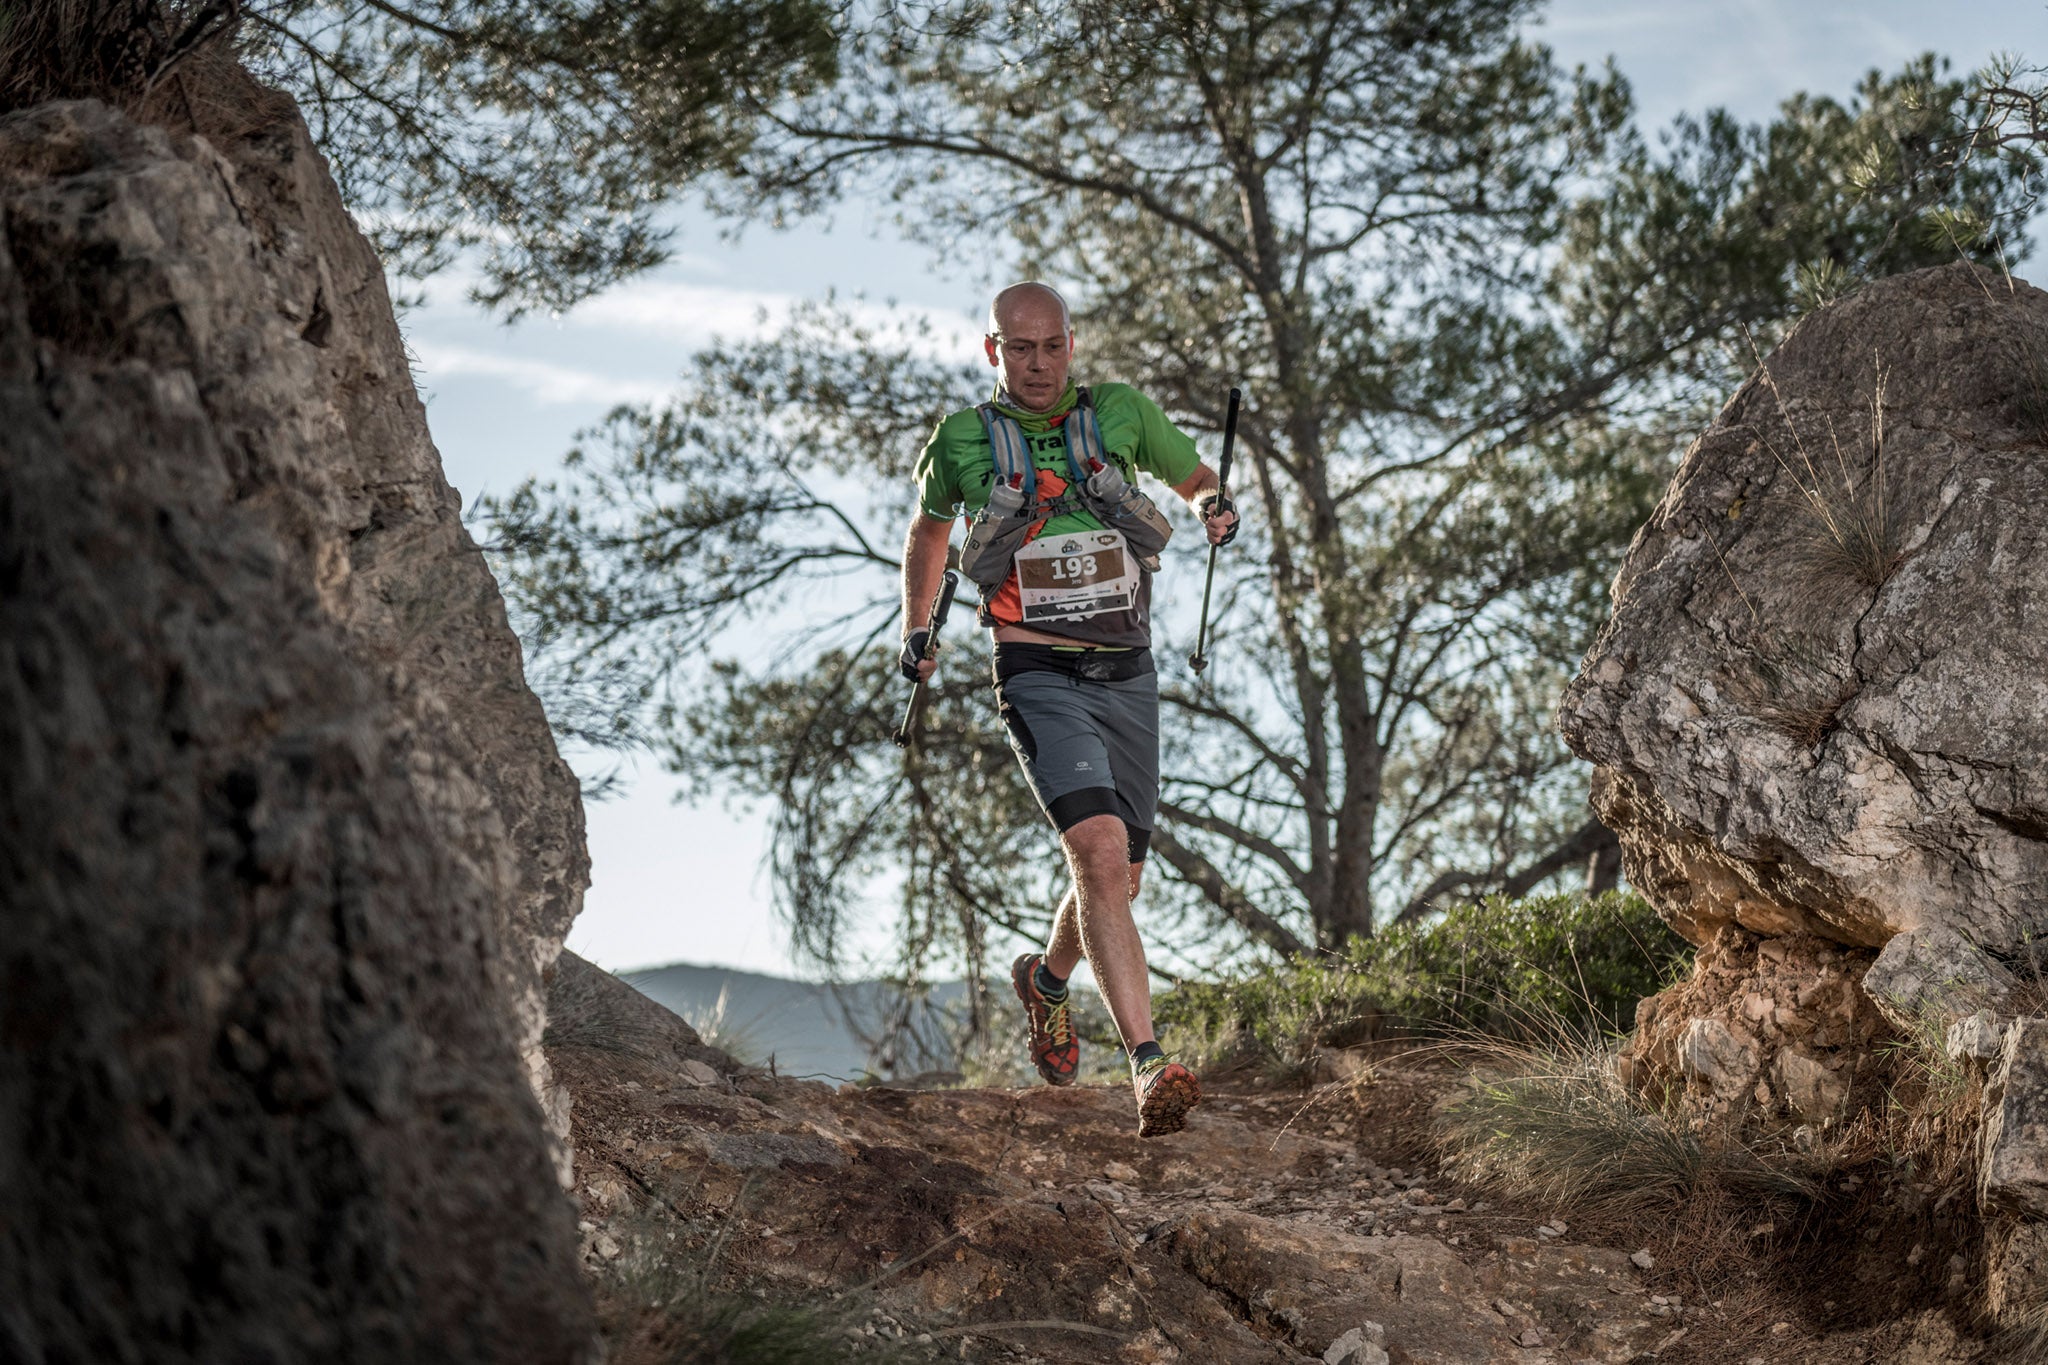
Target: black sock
{"points": [[1050, 986], [1145, 1051]]}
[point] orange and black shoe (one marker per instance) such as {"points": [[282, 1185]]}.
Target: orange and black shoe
{"points": [[1166, 1091], [1054, 1050]]}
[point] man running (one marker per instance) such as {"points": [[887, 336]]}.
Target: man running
{"points": [[1063, 548]]}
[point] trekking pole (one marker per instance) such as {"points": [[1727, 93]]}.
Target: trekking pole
{"points": [[1196, 660], [941, 604]]}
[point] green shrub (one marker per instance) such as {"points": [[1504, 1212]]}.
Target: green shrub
{"points": [[1503, 968]]}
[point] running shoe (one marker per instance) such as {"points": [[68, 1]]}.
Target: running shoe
{"points": [[1054, 1050], [1166, 1091]]}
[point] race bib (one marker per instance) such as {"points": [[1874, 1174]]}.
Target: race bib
{"points": [[1069, 577]]}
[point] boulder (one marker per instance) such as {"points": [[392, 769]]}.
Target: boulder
{"points": [[285, 846], [2012, 1168], [1821, 703]]}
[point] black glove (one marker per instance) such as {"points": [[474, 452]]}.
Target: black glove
{"points": [[913, 653], [1215, 504]]}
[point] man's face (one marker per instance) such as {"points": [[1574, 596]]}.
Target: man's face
{"points": [[1032, 350]]}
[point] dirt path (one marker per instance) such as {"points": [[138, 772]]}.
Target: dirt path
{"points": [[1033, 1225]]}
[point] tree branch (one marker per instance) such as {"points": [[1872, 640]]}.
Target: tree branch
{"points": [[1580, 845], [1207, 878], [1243, 838]]}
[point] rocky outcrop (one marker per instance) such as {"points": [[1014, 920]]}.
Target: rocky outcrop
{"points": [[1818, 707], [285, 844], [1820, 719], [1771, 1028]]}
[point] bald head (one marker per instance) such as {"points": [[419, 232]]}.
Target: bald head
{"points": [[1031, 297], [1030, 342]]}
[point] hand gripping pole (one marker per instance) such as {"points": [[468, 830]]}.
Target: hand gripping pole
{"points": [[941, 604], [1197, 660]]}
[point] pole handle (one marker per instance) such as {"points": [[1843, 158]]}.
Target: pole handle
{"points": [[1229, 439], [941, 605]]}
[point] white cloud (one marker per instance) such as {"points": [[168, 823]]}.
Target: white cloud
{"points": [[545, 381], [694, 313]]}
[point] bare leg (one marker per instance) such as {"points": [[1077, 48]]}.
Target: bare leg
{"points": [[1094, 921], [1063, 950]]}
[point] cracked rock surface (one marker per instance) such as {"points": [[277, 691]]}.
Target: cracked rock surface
{"points": [[285, 845], [1821, 704]]}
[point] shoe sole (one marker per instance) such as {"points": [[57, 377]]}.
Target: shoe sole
{"points": [[1020, 977], [1165, 1106]]}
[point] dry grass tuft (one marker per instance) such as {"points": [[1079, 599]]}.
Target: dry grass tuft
{"points": [[2026, 357], [70, 49], [1787, 687], [1555, 1123], [161, 61], [660, 1303], [1853, 528], [1854, 534]]}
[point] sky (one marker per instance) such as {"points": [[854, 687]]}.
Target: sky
{"points": [[677, 883]]}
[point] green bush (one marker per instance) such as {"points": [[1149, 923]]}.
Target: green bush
{"points": [[1502, 968]]}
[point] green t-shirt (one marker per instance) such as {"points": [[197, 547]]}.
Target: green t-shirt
{"points": [[956, 470]]}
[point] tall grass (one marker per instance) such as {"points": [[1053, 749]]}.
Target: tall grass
{"points": [[720, 1027], [1553, 1121], [1855, 532], [660, 1303]]}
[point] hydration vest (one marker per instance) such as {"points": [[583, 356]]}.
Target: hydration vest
{"points": [[1014, 510]]}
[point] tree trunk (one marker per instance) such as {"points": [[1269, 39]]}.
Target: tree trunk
{"points": [[1603, 867]]}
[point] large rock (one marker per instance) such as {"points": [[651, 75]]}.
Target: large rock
{"points": [[2012, 1169], [1821, 705], [284, 844]]}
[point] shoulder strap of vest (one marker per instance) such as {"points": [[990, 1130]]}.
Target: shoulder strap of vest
{"points": [[1084, 434], [1005, 444]]}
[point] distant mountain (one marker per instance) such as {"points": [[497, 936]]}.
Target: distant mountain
{"points": [[806, 1027]]}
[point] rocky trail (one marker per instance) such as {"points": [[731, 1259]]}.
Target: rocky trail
{"points": [[1033, 1225]]}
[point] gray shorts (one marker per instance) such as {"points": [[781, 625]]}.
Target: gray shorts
{"points": [[1089, 745]]}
